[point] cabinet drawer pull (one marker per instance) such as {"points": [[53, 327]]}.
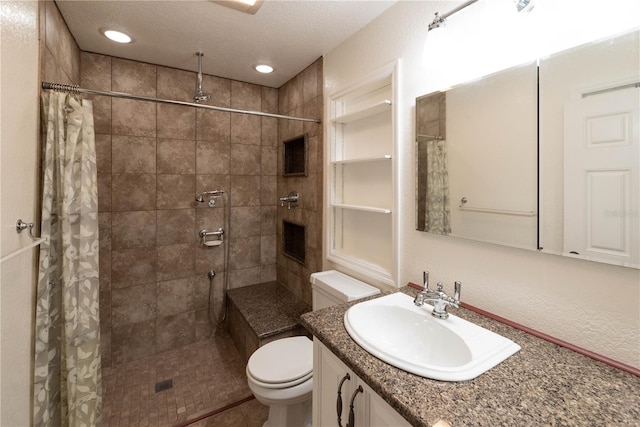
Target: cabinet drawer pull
{"points": [[352, 416], [339, 401]]}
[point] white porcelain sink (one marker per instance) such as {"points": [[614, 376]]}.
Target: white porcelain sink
{"points": [[394, 330]]}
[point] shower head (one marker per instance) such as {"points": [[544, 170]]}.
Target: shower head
{"points": [[200, 95]]}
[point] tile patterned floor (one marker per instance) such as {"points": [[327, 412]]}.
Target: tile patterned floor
{"points": [[206, 376], [250, 414]]}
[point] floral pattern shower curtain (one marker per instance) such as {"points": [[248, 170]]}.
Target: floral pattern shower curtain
{"points": [[437, 212], [67, 381]]}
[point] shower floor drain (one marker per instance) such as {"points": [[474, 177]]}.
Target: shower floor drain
{"points": [[164, 385]]}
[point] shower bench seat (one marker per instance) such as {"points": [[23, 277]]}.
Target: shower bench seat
{"points": [[261, 313]]}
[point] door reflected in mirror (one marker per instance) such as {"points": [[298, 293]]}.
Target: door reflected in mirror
{"points": [[476, 152], [590, 142]]}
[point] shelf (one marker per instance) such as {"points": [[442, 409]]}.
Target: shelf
{"points": [[361, 191], [362, 160], [362, 208], [371, 269], [380, 107]]}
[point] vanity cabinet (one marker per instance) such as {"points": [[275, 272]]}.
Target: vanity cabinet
{"points": [[361, 179], [369, 408]]}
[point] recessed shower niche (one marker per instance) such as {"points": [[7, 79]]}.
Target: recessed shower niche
{"points": [[295, 156], [293, 237]]}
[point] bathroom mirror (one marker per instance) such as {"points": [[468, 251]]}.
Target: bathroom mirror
{"points": [[590, 155], [476, 159]]}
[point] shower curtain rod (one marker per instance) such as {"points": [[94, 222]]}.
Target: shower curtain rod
{"points": [[74, 89]]}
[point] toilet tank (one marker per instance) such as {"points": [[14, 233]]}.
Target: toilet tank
{"points": [[331, 288]]}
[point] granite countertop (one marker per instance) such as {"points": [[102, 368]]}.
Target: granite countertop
{"points": [[542, 384], [269, 308]]}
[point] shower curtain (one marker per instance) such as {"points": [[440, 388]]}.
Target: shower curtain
{"points": [[437, 212], [67, 376]]}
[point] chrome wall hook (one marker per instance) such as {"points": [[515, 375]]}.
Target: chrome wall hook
{"points": [[21, 225]]}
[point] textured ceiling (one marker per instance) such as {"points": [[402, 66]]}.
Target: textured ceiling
{"points": [[289, 35]]}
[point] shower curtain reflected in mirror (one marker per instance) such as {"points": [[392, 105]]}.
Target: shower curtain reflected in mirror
{"points": [[67, 376], [437, 211]]}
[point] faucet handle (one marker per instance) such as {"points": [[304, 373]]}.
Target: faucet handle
{"points": [[425, 280], [456, 290]]}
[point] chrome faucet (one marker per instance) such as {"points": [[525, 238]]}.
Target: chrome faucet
{"points": [[440, 300], [290, 199]]}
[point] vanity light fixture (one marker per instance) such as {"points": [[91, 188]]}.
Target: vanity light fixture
{"points": [[116, 36], [439, 20], [439, 43], [263, 68], [435, 44], [524, 5]]}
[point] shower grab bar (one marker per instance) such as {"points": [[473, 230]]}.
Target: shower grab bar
{"points": [[203, 233], [75, 90], [463, 207], [21, 225], [428, 138]]}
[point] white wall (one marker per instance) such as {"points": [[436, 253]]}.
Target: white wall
{"points": [[18, 194], [592, 305]]}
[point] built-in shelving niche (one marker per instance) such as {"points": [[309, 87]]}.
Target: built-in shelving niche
{"points": [[295, 156], [293, 237], [361, 199]]}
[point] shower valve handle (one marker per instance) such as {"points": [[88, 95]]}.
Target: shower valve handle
{"points": [[291, 198]]}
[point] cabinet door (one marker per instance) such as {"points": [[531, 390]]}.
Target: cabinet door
{"points": [[375, 412], [328, 372], [370, 409]]}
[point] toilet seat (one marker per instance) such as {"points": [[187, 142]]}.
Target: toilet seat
{"points": [[283, 363]]}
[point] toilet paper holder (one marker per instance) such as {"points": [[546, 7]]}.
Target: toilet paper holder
{"points": [[204, 235]]}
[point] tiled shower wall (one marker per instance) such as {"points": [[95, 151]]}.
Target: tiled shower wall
{"points": [[153, 159], [302, 96], [431, 119], [59, 53]]}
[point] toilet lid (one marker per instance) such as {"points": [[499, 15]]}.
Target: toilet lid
{"points": [[282, 361]]}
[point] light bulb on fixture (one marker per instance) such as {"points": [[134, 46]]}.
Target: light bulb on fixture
{"points": [[524, 5]]}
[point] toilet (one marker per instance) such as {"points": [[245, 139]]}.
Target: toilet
{"points": [[280, 373]]}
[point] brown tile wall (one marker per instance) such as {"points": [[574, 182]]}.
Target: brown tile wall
{"points": [[59, 53], [302, 96], [59, 56], [152, 161]]}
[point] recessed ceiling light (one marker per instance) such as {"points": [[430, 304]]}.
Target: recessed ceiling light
{"points": [[246, 6], [116, 36], [263, 68]]}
